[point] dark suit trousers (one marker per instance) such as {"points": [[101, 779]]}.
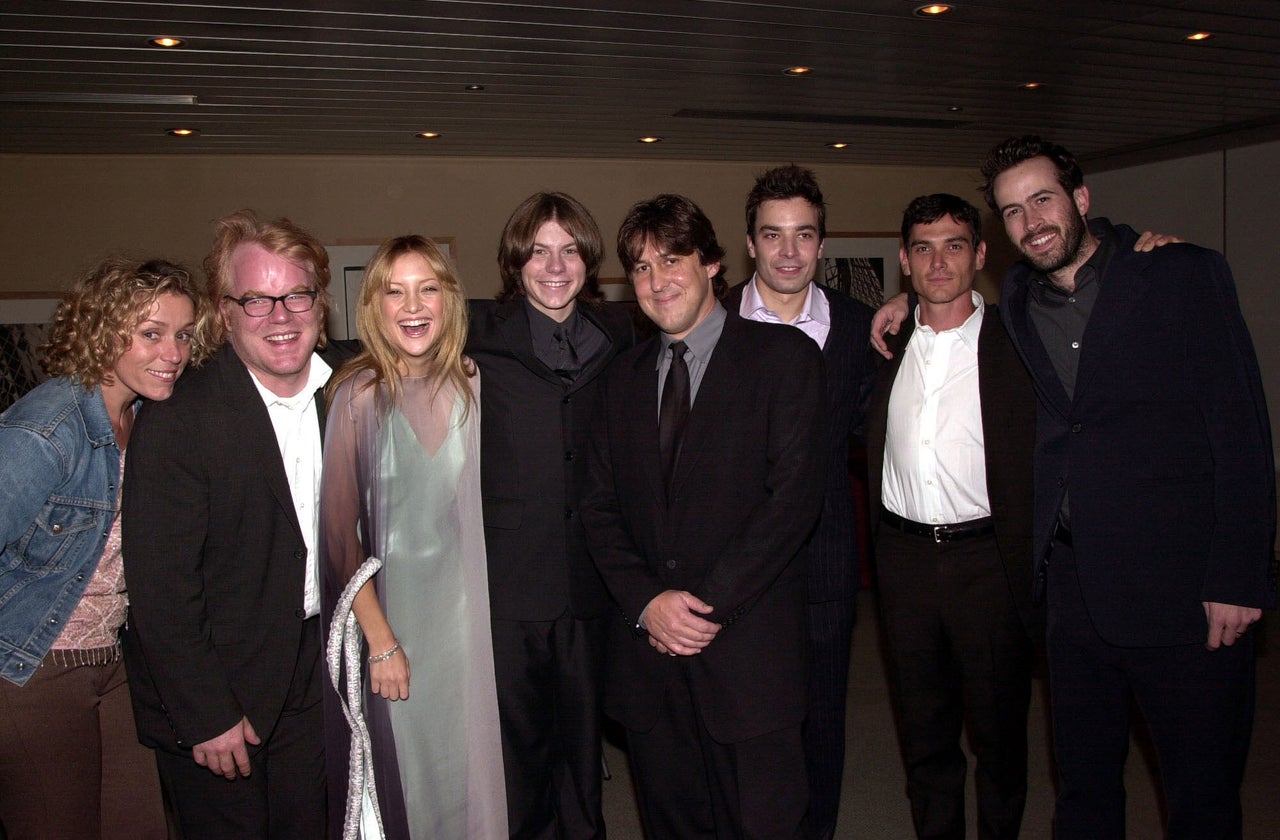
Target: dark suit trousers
{"points": [[284, 796], [957, 652], [691, 787], [1198, 705], [830, 641], [549, 700]]}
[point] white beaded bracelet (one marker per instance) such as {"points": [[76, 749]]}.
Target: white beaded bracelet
{"points": [[383, 657]]}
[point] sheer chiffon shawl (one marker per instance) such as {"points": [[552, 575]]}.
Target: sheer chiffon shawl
{"points": [[402, 483]]}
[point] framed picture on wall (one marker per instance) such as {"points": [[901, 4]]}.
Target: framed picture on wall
{"points": [[24, 326], [862, 265], [347, 259]]}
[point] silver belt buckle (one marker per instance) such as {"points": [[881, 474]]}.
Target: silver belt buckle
{"points": [[939, 531]]}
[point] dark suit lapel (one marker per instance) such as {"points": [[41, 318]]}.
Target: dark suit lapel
{"points": [[1050, 387], [642, 422], [255, 434], [1125, 284], [514, 330], [593, 367], [716, 393]]}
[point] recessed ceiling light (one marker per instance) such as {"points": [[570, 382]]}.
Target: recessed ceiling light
{"points": [[798, 70], [650, 139], [182, 132], [955, 109], [166, 42], [427, 135], [474, 87], [1198, 36], [837, 145], [933, 9], [1029, 86]]}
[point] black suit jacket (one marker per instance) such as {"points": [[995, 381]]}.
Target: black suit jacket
{"points": [[533, 441], [832, 551], [1165, 446], [745, 495], [214, 557], [1008, 433]]}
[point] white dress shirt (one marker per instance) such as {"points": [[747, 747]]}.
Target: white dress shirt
{"points": [[814, 319], [935, 470], [296, 421]]}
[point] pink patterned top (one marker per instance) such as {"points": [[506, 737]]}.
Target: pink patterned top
{"points": [[97, 619]]}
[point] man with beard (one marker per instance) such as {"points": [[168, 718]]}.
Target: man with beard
{"points": [[1155, 496], [786, 226]]}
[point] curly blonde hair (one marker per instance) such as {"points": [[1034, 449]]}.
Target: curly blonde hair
{"points": [[94, 324], [380, 353]]}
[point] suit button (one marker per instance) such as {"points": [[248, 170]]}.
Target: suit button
{"points": [[568, 456], [671, 564], [568, 513], [567, 399], [1075, 427], [300, 613], [300, 554]]}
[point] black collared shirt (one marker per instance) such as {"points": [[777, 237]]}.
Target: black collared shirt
{"points": [[1060, 317], [565, 347]]}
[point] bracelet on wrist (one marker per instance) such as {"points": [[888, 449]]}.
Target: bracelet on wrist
{"points": [[385, 655]]}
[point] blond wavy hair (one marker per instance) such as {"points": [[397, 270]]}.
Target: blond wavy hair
{"points": [[278, 236], [94, 324], [445, 361]]}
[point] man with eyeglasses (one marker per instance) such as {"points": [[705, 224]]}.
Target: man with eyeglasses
{"points": [[223, 645]]}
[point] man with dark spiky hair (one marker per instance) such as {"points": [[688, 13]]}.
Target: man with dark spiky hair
{"points": [[786, 227], [706, 478]]}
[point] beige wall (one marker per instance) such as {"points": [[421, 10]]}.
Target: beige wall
{"points": [[62, 213]]}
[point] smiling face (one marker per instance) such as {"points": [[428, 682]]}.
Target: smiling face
{"points": [[277, 347], [674, 290], [785, 245], [159, 349], [413, 311], [941, 261], [1043, 221], [555, 273]]}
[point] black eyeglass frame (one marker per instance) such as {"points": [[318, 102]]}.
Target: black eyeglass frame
{"points": [[309, 297]]}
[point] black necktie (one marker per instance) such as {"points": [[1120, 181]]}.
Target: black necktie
{"points": [[567, 366], [674, 410]]}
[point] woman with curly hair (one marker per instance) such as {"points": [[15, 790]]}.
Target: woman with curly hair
{"points": [[402, 483], [70, 761]]}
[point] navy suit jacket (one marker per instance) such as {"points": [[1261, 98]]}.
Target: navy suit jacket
{"points": [[745, 495], [832, 552], [1165, 447], [533, 441], [1008, 433]]}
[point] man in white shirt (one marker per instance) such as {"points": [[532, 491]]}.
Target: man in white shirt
{"points": [[950, 435], [220, 522], [786, 224]]}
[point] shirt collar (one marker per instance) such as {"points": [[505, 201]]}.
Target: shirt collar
{"points": [[815, 306], [317, 376], [702, 339], [968, 331]]}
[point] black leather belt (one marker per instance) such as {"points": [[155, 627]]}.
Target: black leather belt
{"points": [[940, 533]]}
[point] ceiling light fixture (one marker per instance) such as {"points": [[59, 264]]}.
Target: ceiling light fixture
{"points": [[837, 145], [933, 9], [798, 70], [474, 88], [1195, 37], [166, 42], [427, 135], [955, 109], [649, 139], [183, 132], [1029, 86]]}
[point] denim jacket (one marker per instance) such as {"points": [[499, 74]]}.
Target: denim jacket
{"points": [[58, 498]]}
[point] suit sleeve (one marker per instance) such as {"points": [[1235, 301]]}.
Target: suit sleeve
{"points": [[165, 519], [774, 531], [619, 559], [1221, 356]]}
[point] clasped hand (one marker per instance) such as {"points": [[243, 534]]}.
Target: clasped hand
{"points": [[675, 626]]}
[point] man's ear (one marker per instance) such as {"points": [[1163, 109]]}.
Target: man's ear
{"points": [[1080, 195], [904, 262], [980, 256]]}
